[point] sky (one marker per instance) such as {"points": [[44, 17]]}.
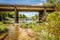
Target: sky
{"points": [[26, 2], [23, 2], [29, 14]]}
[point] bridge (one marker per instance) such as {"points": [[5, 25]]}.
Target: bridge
{"points": [[27, 8]]}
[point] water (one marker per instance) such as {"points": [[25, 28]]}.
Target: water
{"points": [[22, 20], [25, 21]]}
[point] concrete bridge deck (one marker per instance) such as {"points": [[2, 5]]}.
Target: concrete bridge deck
{"points": [[5, 7], [27, 8]]}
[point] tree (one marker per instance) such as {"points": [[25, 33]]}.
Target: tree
{"points": [[4, 15], [55, 3], [35, 16], [57, 8], [11, 14], [22, 16]]}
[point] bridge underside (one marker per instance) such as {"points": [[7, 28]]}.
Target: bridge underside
{"points": [[27, 8]]}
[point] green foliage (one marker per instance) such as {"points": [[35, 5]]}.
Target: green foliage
{"points": [[22, 16], [53, 17], [57, 8], [53, 25], [51, 1], [7, 21], [48, 30], [1, 23], [35, 16], [55, 3], [3, 29], [11, 14], [5, 15], [24, 25], [47, 4]]}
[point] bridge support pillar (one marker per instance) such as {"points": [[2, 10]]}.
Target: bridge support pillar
{"points": [[42, 16], [16, 15]]}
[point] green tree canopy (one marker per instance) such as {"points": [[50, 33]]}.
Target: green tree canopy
{"points": [[35, 16], [22, 16], [55, 3], [11, 14], [6, 15]]}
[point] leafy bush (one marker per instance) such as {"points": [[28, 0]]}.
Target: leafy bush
{"points": [[48, 30], [24, 25], [3, 29], [54, 25], [1, 23], [8, 21]]}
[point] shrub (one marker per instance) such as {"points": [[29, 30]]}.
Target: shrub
{"points": [[48, 30], [3, 29]]}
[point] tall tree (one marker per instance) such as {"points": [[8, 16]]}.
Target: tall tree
{"points": [[5, 15], [57, 8], [22, 16], [55, 3], [35, 16]]}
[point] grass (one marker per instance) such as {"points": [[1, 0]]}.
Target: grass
{"points": [[44, 31], [48, 30], [3, 29]]}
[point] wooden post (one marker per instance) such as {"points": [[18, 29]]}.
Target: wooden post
{"points": [[16, 15]]}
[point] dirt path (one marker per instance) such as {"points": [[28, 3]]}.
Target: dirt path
{"points": [[17, 33], [12, 33], [25, 34]]}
